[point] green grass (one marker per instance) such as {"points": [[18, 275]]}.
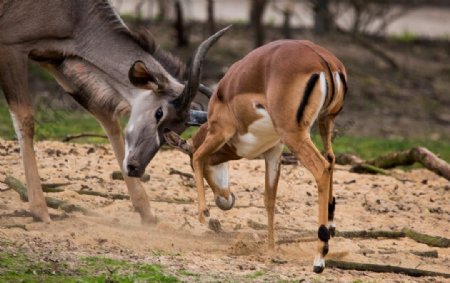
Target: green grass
{"points": [[19, 267], [368, 147], [53, 124]]}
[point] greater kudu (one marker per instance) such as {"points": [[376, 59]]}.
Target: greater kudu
{"points": [[89, 51]]}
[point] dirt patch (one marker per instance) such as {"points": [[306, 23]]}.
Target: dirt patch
{"points": [[364, 202]]}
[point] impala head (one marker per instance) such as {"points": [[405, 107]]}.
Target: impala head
{"points": [[162, 103]]}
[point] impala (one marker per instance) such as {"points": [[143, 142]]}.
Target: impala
{"points": [[107, 69], [269, 99]]}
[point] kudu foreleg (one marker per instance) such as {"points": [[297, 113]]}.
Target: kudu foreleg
{"points": [[111, 125], [320, 168], [135, 189], [13, 79]]}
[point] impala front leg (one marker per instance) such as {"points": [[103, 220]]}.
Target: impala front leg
{"points": [[217, 178], [212, 143]]}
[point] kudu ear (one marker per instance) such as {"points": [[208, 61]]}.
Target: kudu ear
{"points": [[174, 140], [141, 77]]}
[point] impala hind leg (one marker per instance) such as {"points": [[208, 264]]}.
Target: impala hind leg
{"points": [[326, 125], [14, 81], [310, 157], [272, 161]]}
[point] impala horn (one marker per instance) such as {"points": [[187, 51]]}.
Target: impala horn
{"points": [[195, 71]]}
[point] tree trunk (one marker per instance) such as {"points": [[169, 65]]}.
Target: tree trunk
{"points": [[211, 17], [162, 10], [286, 30], [256, 16], [138, 10], [322, 16], [180, 25]]}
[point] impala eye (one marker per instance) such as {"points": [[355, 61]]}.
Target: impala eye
{"points": [[159, 114]]}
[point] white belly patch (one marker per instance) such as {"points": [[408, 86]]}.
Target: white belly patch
{"points": [[261, 136]]}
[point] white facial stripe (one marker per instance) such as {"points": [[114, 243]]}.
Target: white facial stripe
{"points": [[130, 128], [219, 175], [273, 158], [158, 141], [125, 169]]}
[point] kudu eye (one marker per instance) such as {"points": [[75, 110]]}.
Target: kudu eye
{"points": [[159, 114]]}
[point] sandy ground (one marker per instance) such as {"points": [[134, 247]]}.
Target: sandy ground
{"points": [[418, 199]]}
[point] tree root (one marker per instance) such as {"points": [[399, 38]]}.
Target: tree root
{"points": [[17, 186], [346, 265]]}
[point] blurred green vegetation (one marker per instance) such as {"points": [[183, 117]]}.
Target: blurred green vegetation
{"points": [[405, 37], [57, 124]]}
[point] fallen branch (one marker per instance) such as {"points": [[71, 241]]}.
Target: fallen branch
{"points": [[433, 253], [173, 200], [367, 168], [83, 135], [432, 241], [173, 171], [404, 158], [117, 175], [11, 226], [370, 234], [346, 265], [17, 186], [53, 188], [103, 195]]}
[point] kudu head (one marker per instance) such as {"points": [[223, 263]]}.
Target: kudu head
{"points": [[162, 104]]}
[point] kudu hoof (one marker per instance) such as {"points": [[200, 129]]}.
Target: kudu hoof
{"points": [[225, 204], [149, 220]]}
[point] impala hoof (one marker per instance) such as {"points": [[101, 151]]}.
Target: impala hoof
{"points": [[214, 225], [319, 264], [332, 230], [225, 204], [203, 215], [318, 269]]}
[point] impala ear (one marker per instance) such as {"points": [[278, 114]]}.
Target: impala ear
{"points": [[141, 77], [174, 140]]}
